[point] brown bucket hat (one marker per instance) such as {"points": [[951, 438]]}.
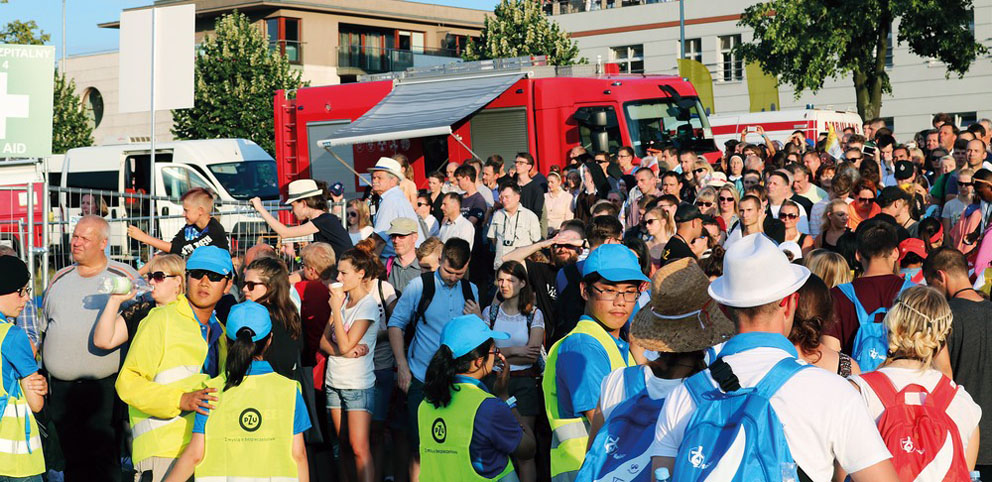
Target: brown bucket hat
{"points": [[681, 316]]}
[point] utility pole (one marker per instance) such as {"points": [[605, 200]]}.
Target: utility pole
{"points": [[62, 64], [682, 29]]}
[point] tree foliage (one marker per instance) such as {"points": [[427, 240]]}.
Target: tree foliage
{"points": [[518, 28], [805, 42], [236, 78], [70, 126]]}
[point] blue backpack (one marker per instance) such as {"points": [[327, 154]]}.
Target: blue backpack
{"points": [[619, 453], [736, 436], [871, 343]]}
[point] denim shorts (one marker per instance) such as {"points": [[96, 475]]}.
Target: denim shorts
{"points": [[351, 399]]}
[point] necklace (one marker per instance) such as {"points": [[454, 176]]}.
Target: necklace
{"points": [[956, 293]]}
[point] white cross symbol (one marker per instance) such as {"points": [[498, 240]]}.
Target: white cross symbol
{"points": [[11, 106]]}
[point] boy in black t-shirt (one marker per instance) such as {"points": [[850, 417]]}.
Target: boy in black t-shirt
{"points": [[201, 228]]}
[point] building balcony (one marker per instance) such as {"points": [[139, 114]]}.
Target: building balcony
{"points": [[562, 7], [374, 60]]}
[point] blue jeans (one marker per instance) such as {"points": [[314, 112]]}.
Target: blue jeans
{"points": [[350, 399], [30, 478]]}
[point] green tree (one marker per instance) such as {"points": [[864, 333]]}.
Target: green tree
{"points": [[71, 127], [804, 42], [518, 28], [236, 77]]}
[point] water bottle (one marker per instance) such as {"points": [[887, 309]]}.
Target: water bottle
{"points": [[976, 476], [661, 474], [120, 285]]}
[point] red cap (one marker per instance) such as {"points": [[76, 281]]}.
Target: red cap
{"points": [[912, 245]]}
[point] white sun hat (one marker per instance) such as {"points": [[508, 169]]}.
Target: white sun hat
{"points": [[756, 272], [302, 189], [389, 165]]}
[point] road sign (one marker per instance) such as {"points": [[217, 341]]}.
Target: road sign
{"points": [[26, 84]]}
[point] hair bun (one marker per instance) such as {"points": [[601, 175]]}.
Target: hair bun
{"points": [[366, 246]]}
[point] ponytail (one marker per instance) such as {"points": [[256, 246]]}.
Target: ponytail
{"points": [[240, 353], [440, 378]]}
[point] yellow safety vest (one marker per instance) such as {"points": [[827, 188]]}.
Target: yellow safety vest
{"points": [[445, 436], [175, 333], [249, 436], [569, 436], [20, 440]]}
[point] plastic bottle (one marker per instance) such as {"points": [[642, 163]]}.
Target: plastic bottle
{"points": [[976, 476], [119, 285], [661, 474]]}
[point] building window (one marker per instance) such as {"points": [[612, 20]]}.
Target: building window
{"points": [[694, 49], [630, 58], [93, 106], [731, 66], [888, 50], [964, 119], [284, 37]]}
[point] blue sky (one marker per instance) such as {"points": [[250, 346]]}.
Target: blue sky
{"points": [[82, 16]]}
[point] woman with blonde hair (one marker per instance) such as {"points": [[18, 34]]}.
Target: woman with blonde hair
{"points": [[726, 200], [835, 225], [407, 185], [831, 267], [557, 203], [918, 325], [660, 225], [706, 201], [702, 171], [165, 276], [359, 222]]}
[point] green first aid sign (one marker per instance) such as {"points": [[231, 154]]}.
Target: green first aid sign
{"points": [[26, 84]]}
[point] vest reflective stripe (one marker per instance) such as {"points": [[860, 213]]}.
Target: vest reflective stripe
{"points": [[249, 436], [569, 436], [151, 423], [21, 454], [447, 456], [176, 374], [247, 479]]}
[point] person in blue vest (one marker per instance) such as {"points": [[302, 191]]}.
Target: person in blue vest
{"points": [[467, 433], [758, 413], [578, 363], [679, 326]]}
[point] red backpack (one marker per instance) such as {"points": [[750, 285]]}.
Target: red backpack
{"points": [[925, 443]]}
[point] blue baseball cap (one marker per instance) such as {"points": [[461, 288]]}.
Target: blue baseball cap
{"points": [[210, 258], [465, 333], [251, 315], [614, 262]]}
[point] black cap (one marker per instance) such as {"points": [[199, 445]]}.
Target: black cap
{"points": [[892, 194], [687, 212], [15, 274], [904, 170], [652, 144]]}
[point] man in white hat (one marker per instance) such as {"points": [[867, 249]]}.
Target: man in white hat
{"points": [[823, 418], [386, 176]]}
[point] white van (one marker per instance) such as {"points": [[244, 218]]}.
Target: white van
{"points": [[235, 169], [780, 124]]}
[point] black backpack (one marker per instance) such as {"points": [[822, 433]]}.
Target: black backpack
{"points": [[425, 301], [569, 306]]}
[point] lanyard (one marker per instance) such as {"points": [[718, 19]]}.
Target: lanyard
{"points": [[506, 222]]}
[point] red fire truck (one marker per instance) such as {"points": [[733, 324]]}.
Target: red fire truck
{"points": [[476, 109]]}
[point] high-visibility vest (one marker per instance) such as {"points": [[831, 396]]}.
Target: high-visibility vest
{"points": [[569, 436], [20, 440], [181, 367], [445, 436], [249, 436]]}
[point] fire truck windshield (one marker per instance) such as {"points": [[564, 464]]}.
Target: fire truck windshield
{"points": [[662, 120], [247, 179]]}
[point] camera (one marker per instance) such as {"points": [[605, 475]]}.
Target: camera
{"points": [[507, 242]]}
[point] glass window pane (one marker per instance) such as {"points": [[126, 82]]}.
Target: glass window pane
{"points": [[292, 29]]}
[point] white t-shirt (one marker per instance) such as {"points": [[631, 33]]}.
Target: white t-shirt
{"points": [[355, 373], [361, 234], [953, 210], [963, 410], [516, 326], [822, 415], [461, 227], [612, 392]]}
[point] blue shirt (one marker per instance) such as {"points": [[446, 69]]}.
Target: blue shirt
{"points": [[447, 303], [579, 389], [301, 418], [18, 359], [394, 204], [496, 434], [28, 321], [211, 336]]}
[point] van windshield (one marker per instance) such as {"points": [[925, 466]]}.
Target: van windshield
{"points": [[657, 119], [247, 179]]}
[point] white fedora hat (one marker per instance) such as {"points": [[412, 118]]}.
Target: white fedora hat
{"points": [[302, 189], [389, 165], [756, 272]]}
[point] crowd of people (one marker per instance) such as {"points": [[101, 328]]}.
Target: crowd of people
{"points": [[808, 310]]}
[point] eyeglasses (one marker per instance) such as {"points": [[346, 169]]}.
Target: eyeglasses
{"points": [[726, 199], [159, 276], [700, 170], [25, 291], [788, 216], [704, 204], [252, 284], [212, 276], [612, 295], [421, 204], [352, 214], [965, 184], [866, 200]]}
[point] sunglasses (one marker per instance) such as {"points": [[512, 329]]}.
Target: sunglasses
{"points": [[700, 170], [421, 204], [788, 216], [159, 276], [866, 200], [352, 215], [564, 246], [855, 158], [251, 285], [200, 273], [648, 222], [704, 204], [726, 199], [965, 184]]}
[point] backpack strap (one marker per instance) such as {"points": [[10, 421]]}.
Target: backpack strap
{"points": [[907, 284], [493, 314], [863, 316], [697, 385], [389, 264], [942, 394], [425, 296], [530, 318], [882, 386], [777, 376], [466, 290], [633, 381]]}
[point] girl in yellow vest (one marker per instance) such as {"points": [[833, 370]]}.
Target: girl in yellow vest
{"points": [[22, 390], [466, 433], [256, 431]]}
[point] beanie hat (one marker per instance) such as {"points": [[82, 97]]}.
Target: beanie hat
{"points": [[15, 274]]}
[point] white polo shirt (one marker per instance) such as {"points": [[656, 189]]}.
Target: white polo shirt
{"points": [[513, 231], [823, 416]]}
